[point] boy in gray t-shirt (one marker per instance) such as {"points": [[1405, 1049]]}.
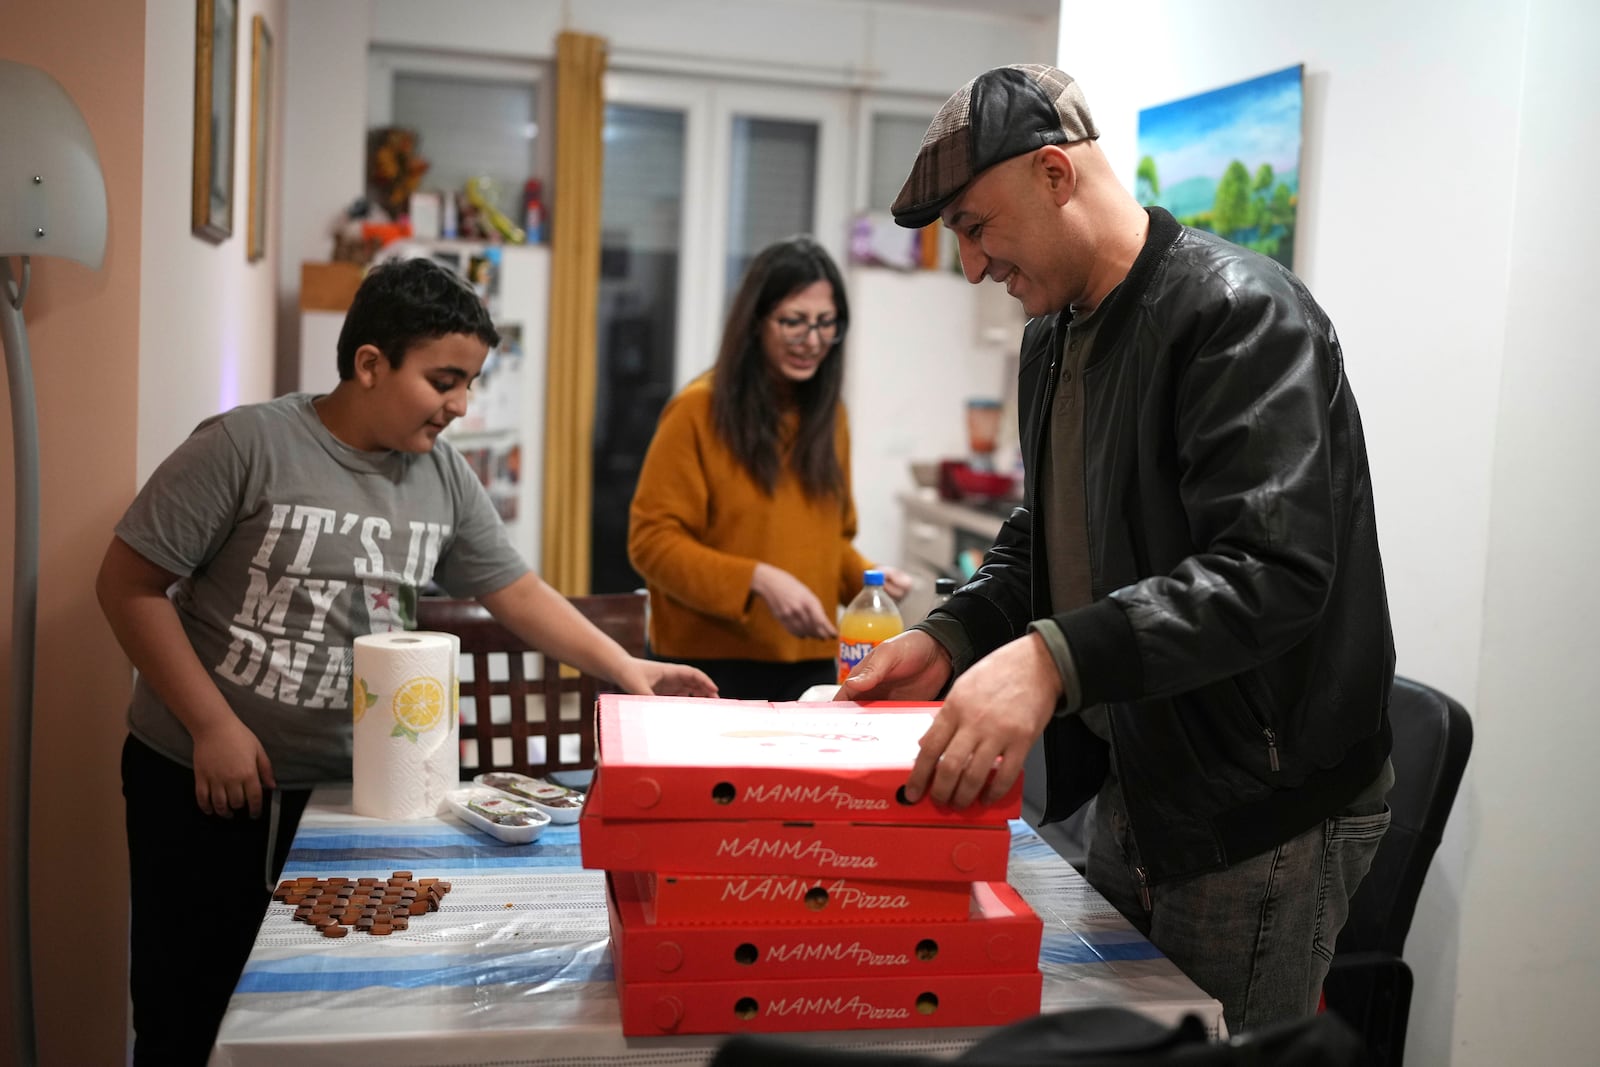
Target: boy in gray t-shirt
{"points": [[237, 582]]}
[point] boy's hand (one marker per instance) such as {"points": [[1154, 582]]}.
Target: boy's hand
{"points": [[671, 680], [230, 769]]}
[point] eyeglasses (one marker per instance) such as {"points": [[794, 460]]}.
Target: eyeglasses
{"points": [[796, 330]]}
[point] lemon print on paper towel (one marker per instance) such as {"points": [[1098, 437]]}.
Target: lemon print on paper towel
{"points": [[362, 698], [418, 706]]}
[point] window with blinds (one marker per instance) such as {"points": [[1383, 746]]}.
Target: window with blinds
{"points": [[772, 188], [894, 144], [472, 127]]}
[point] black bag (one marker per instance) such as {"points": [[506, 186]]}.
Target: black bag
{"points": [[1092, 1037]]}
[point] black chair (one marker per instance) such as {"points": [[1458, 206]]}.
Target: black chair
{"points": [[1369, 984]]}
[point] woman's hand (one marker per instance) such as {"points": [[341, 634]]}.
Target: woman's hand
{"points": [[896, 582], [796, 608], [231, 769]]}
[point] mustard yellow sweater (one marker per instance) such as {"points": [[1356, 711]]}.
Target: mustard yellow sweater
{"points": [[699, 524]]}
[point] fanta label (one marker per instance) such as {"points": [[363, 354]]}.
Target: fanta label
{"points": [[851, 653]]}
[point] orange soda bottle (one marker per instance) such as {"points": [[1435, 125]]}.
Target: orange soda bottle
{"points": [[871, 619]]}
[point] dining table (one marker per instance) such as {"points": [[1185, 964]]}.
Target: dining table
{"points": [[515, 967]]}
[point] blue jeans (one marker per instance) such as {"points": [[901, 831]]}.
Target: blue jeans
{"points": [[1258, 935]]}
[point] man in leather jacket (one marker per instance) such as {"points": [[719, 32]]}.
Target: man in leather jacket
{"points": [[1189, 606]]}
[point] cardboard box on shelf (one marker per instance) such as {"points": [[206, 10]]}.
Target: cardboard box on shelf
{"points": [[329, 286]]}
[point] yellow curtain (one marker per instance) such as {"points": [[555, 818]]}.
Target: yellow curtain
{"points": [[574, 298]]}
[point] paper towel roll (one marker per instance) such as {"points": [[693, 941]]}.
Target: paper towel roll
{"points": [[404, 697]]}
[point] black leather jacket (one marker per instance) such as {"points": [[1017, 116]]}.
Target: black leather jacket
{"points": [[1239, 634]]}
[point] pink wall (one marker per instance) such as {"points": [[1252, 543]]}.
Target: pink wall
{"points": [[84, 329]]}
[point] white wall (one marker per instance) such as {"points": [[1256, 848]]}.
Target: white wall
{"points": [[887, 49], [206, 323], [1530, 943], [324, 139], [915, 358], [1431, 242]]}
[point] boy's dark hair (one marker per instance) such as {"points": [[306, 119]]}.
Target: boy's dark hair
{"points": [[404, 302], [744, 397]]}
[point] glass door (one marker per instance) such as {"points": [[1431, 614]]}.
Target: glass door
{"points": [[782, 167], [645, 217], [699, 176]]}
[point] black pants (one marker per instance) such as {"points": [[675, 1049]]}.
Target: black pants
{"points": [[752, 679], [187, 956]]}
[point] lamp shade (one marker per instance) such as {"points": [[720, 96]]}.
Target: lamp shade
{"points": [[52, 194]]}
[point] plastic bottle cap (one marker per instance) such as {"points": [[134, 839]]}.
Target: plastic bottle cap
{"points": [[872, 577]]}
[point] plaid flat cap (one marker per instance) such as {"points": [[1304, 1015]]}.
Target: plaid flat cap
{"points": [[1000, 114]]}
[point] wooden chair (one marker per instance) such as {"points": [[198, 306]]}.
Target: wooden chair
{"points": [[514, 718]]}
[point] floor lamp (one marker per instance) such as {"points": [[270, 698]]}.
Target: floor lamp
{"points": [[52, 203]]}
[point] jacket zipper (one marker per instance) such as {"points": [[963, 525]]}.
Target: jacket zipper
{"points": [[1044, 411], [1056, 344], [1033, 509], [1254, 707], [1141, 873]]}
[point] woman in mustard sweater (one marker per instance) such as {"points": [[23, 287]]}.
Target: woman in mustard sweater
{"points": [[743, 519]]}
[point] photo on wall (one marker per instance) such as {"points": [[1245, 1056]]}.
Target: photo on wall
{"points": [[1228, 161]]}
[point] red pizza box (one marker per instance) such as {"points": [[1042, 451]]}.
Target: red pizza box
{"points": [[879, 851], [757, 898], [998, 934], [671, 758], [654, 1008]]}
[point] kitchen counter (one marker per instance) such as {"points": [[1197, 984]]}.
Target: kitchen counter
{"points": [[937, 534]]}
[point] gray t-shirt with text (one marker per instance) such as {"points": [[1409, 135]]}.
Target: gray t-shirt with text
{"points": [[289, 544]]}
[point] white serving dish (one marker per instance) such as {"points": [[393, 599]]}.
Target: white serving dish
{"points": [[460, 801], [563, 805]]}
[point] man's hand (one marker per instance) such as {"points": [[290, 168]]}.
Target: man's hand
{"points": [[910, 666], [796, 608], [230, 769], [669, 680], [994, 713]]}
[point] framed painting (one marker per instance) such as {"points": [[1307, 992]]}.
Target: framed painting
{"points": [[1228, 161], [215, 67], [260, 136]]}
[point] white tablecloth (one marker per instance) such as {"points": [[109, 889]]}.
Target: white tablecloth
{"points": [[515, 967]]}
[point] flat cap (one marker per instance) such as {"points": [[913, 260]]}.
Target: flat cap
{"points": [[1000, 114]]}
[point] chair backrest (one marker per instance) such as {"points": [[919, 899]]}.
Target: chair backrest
{"points": [[514, 718], [1432, 739]]}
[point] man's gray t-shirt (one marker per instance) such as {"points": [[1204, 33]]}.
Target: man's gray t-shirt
{"points": [[289, 544]]}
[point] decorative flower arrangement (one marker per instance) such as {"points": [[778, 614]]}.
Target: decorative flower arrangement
{"points": [[394, 167]]}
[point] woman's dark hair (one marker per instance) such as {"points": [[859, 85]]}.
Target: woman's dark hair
{"points": [[404, 302], [745, 396]]}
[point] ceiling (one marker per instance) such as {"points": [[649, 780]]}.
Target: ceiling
{"points": [[1036, 9]]}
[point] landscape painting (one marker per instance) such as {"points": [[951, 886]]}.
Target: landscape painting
{"points": [[1228, 161]]}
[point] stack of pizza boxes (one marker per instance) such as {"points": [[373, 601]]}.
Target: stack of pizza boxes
{"points": [[766, 874]]}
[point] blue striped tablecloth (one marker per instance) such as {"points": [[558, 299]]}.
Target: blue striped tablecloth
{"points": [[515, 967]]}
